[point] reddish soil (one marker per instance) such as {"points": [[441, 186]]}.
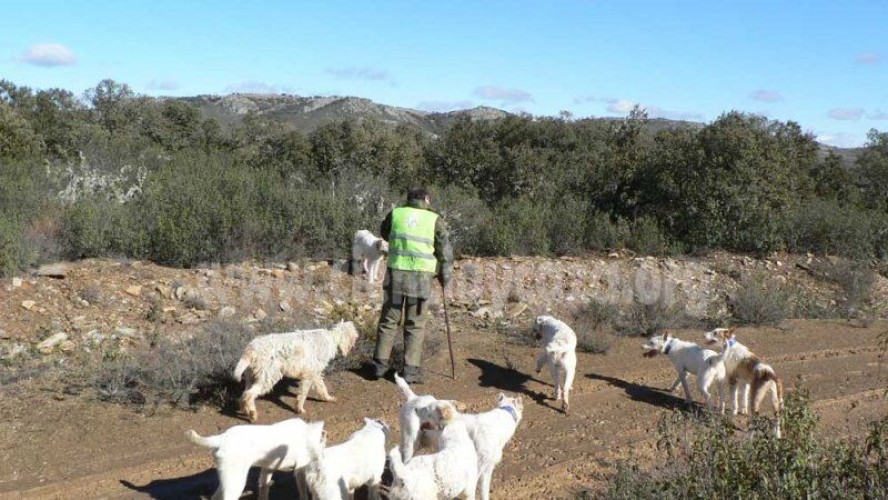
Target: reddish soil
{"points": [[57, 446]]}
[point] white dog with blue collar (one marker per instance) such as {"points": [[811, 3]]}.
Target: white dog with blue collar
{"points": [[707, 365]]}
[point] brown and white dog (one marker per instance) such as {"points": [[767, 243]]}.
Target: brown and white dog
{"points": [[746, 369]]}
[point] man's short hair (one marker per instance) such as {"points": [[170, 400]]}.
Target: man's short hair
{"points": [[418, 193]]}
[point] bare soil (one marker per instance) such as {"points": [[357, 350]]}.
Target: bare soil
{"points": [[58, 444]]}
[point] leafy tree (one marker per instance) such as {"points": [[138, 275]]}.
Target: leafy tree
{"points": [[17, 138], [873, 165], [725, 186], [834, 181], [109, 102]]}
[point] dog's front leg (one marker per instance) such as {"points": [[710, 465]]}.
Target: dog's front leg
{"points": [[734, 390], [264, 483], [540, 361], [557, 381], [683, 377], [675, 385], [318, 382], [372, 491], [304, 387], [301, 483], [745, 399], [484, 481]]}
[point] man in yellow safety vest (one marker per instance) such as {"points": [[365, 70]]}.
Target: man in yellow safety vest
{"points": [[419, 250]]}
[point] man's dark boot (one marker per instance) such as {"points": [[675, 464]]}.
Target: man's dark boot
{"points": [[378, 368], [413, 374]]}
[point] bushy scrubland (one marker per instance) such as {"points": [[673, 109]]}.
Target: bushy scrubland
{"points": [[712, 460], [118, 174]]}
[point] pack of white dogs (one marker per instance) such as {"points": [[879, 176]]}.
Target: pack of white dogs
{"points": [[465, 447]]}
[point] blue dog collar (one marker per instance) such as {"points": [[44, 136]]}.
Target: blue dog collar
{"points": [[731, 342], [511, 411]]}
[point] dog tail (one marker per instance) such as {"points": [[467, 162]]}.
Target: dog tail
{"points": [[208, 442], [243, 364], [405, 388], [397, 464], [769, 375]]}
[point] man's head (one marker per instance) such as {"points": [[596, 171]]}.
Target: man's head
{"points": [[420, 194]]}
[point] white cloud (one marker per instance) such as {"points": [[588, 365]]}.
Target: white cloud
{"points": [[353, 73], [252, 87], [624, 106], [868, 58], [689, 116], [839, 140], [583, 99], [162, 85], [620, 106], [49, 55], [444, 106], [766, 96], [494, 93], [845, 114]]}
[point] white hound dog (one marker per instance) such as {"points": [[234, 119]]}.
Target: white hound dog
{"points": [[705, 364], [281, 446], [303, 354], [559, 344]]}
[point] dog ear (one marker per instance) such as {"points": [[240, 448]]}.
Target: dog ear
{"points": [[665, 334], [500, 397], [730, 332], [459, 405], [445, 412]]}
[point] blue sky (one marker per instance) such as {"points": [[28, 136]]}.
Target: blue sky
{"points": [[823, 64]]}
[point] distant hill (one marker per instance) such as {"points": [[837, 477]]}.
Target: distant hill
{"points": [[308, 113]]}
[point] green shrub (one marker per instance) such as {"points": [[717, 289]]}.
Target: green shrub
{"points": [[182, 373], [603, 233], [826, 227], [12, 255], [759, 301], [593, 323], [642, 319], [517, 227], [648, 238], [855, 280], [709, 460]]}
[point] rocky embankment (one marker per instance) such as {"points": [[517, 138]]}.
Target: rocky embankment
{"points": [[72, 308]]}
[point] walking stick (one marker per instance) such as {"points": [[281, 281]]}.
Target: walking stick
{"points": [[447, 327]]}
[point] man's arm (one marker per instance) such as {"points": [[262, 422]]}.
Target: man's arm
{"points": [[385, 229], [443, 251]]}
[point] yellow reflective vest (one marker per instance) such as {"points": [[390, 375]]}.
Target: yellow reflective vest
{"points": [[412, 240]]}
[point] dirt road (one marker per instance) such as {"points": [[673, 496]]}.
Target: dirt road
{"points": [[68, 446]]}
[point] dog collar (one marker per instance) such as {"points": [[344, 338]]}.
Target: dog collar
{"points": [[511, 411], [731, 342], [668, 347]]}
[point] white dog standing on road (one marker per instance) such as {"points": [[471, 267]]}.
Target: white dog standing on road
{"points": [[559, 353], [303, 354], [282, 446], [369, 250], [452, 472], [705, 364], [335, 472]]}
